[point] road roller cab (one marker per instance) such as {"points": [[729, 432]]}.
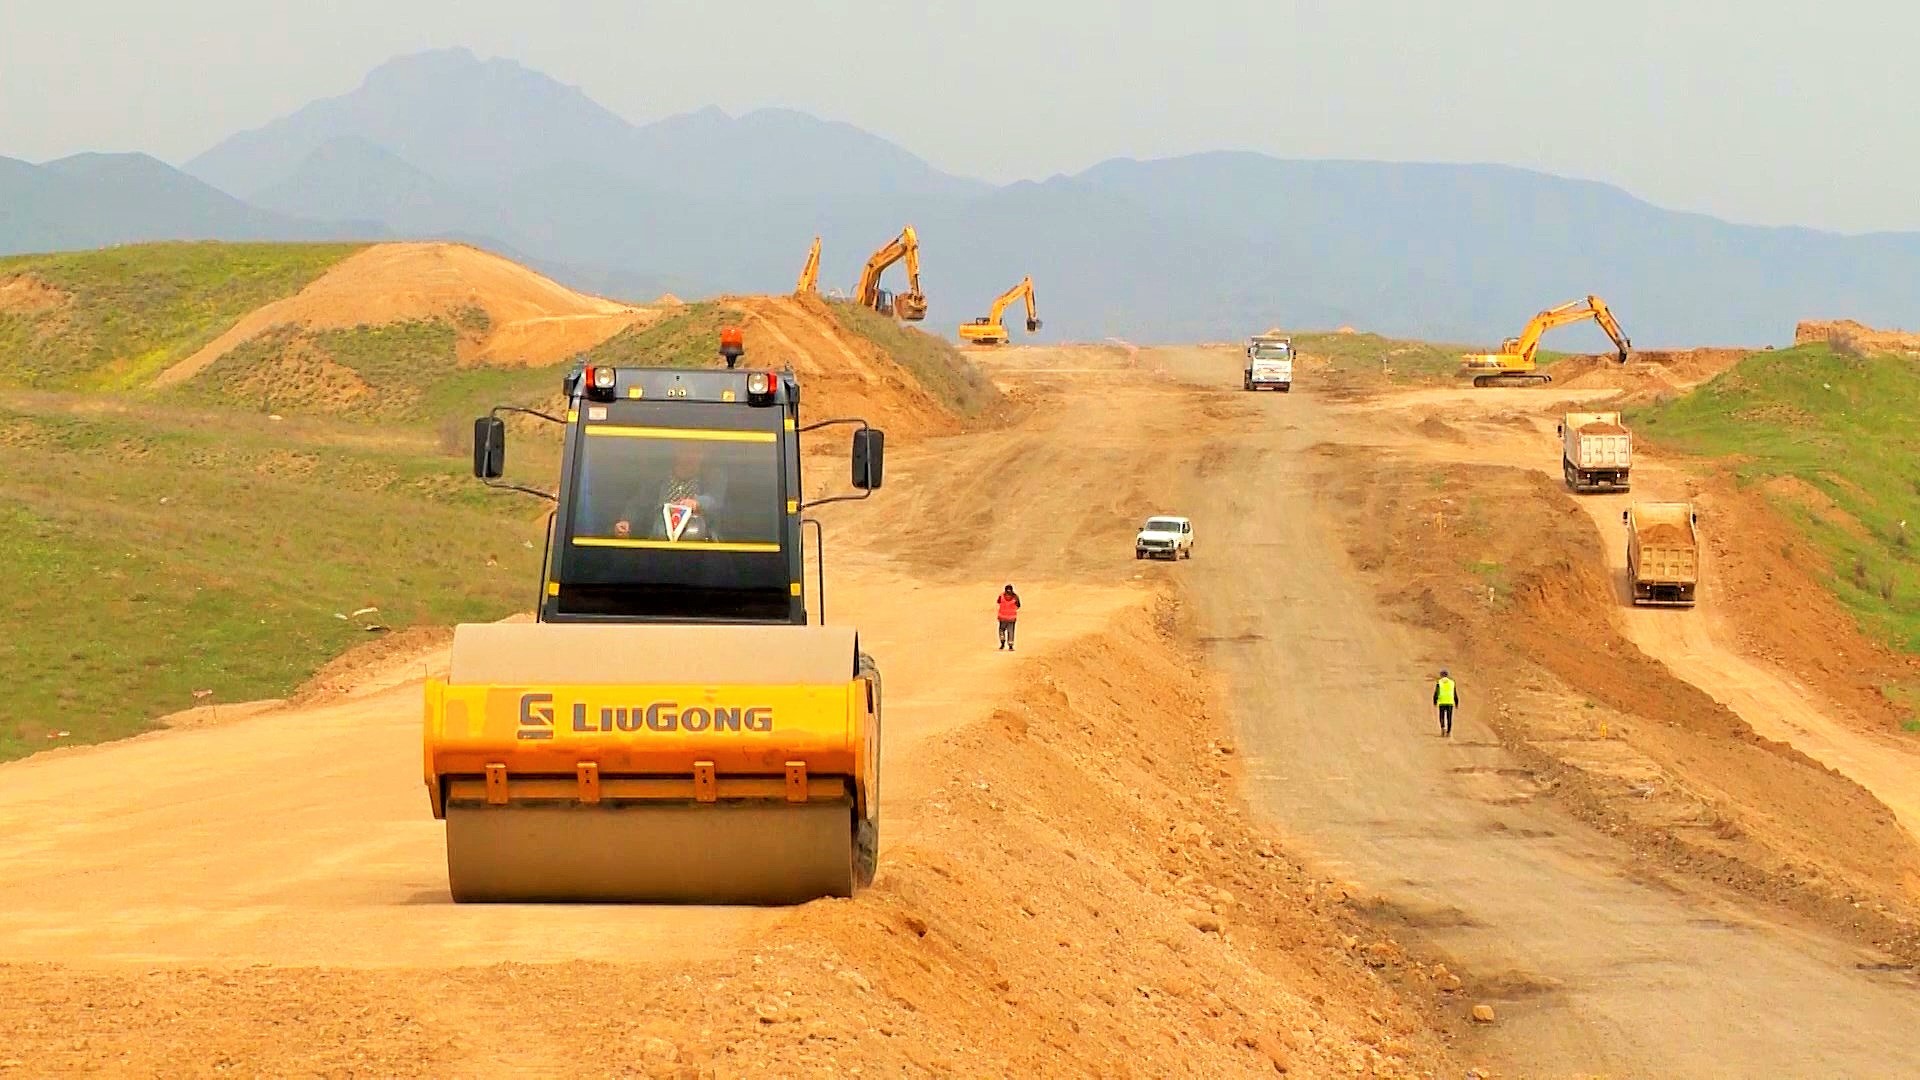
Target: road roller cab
{"points": [[679, 724]]}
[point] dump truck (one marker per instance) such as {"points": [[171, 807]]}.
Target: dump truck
{"points": [[1596, 451], [678, 724], [1269, 363], [1663, 553]]}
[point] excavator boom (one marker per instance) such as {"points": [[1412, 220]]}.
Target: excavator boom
{"points": [[1514, 364], [989, 330], [910, 305], [810, 273], [1604, 316]]}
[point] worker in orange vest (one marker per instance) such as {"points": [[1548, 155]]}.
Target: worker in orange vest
{"points": [[1009, 605]]}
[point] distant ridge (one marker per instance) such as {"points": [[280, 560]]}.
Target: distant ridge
{"points": [[446, 145]]}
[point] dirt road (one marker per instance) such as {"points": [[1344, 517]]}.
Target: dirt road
{"points": [[1065, 884], [1592, 968], [1700, 645]]}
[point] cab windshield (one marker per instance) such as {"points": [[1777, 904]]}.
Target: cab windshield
{"points": [[1162, 525], [664, 488], [1272, 352]]}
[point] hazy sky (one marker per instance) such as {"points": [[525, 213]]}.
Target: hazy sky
{"points": [[1765, 111]]}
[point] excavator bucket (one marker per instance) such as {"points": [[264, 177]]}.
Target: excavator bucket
{"points": [[910, 306], [723, 764]]}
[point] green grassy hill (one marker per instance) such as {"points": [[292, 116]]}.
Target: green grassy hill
{"points": [[404, 371], [152, 552], [1850, 428], [160, 543], [114, 318], [207, 536]]}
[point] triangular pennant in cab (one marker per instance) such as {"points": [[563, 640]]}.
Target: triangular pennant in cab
{"points": [[677, 515]]}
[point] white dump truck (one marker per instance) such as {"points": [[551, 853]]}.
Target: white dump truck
{"points": [[1269, 363], [1596, 451]]}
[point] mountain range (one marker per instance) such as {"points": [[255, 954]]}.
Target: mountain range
{"points": [[445, 145]]}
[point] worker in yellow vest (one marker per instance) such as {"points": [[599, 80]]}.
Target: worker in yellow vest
{"points": [[1446, 695]]}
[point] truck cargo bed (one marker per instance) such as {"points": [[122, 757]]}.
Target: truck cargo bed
{"points": [[1663, 554]]}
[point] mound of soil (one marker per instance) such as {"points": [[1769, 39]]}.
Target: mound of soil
{"points": [[505, 313], [1606, 372], [1647, 373], [1662, 534], [1689, 367], [1435, 428], [841, 374], [1856, 339], [24, 294]]}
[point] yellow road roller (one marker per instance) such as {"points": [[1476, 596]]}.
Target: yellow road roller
{"points": [[678, 724]]}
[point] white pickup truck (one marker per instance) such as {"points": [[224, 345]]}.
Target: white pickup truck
{"points": [[1164, 536], [1269, 364]]}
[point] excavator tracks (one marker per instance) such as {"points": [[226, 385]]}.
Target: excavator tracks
{"points": [[1511, 379]]}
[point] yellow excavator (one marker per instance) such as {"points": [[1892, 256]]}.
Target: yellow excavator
{"points": [[810, 273], [678, 724], [1513, 364], [989, 330], [910, 305]]}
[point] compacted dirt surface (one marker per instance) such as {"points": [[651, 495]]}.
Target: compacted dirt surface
{"points": [[1200, 823]]}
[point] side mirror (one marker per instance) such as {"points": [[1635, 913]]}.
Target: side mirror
{"points": [[869, 458], [489, 447], [1623, 515], [1559, 429]]}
